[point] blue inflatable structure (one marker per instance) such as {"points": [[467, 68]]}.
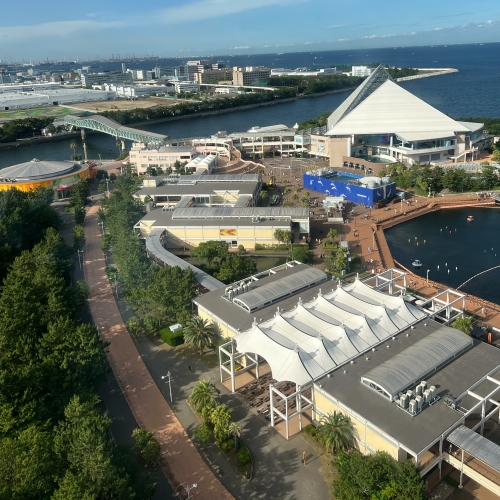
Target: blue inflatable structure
{"points": [[355, 188]]}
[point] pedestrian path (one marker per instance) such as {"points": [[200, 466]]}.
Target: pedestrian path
{"points": [[181, 462]]}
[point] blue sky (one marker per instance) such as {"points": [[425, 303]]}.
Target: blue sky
{"points": [[34, 30]]}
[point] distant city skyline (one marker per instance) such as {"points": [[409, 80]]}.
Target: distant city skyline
{"points": [[92, 30]]}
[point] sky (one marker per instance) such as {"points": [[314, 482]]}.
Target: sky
{"points": [[55, 29]]}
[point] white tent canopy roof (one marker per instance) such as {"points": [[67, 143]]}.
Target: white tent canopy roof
{"points": [[305, 343]]}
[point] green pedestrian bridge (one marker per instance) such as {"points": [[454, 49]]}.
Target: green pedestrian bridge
{"points": [[108, 126]]}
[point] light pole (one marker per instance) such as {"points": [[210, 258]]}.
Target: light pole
{"points": [[102, 226], [116, 283], [107, 186], [189, 488], [428, 276], [99, 155], [167, 376], [80, 257]]}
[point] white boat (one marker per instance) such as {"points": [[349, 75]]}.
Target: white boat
{"points": [[416, 263]]}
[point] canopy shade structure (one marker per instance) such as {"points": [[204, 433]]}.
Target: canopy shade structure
{"points": [[37, 169], [476, 445], [416, 362], [312, 339]]}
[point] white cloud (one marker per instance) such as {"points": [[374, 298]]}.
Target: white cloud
{"points": [[54, 29], [438, 29], [241, 47], [207, 9], [343, 39]]}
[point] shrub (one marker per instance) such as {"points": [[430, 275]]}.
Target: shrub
{"points": [[79, 215], [172, 338], [203, 433], [244, 456], [310, 429], [226, 445]]}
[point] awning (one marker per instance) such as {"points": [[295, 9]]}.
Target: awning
{"points": [[477, 446]]}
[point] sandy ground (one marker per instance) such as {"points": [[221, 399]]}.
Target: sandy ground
{"points": [[150, 102]]}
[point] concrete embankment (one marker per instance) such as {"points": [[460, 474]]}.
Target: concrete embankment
{"points": [[426, 73]]}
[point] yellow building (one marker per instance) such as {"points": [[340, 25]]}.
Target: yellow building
{"points": [[247, 226], [57, 175]]}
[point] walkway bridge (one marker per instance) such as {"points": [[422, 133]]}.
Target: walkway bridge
{"points": [[108, 126]]}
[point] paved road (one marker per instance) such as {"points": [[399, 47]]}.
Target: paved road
{"points": [[180, 461]]}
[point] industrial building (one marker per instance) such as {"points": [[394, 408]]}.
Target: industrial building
{"points": [[380, 123], [53, 97], [60, 176], [412, 386], [89, 79], [352, 187]]}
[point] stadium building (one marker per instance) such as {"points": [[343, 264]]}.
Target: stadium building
{"points": [[60, 176]]}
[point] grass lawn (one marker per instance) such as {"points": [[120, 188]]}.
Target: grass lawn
{"points": [[35, 112]]}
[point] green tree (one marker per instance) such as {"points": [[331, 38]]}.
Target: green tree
{"points": [[235, 268], [199, 333], [147, 445], [211, 251], [463, 324], [221, 419], [336, 432], [80, 194], [204, 394], [73, 146], [234, 430], [488, 177], [286, 191], [78, 238], [332, 235], [203, 433], [302, 254]]}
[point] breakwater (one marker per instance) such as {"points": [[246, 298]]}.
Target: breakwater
{"points": [[429, 72]]}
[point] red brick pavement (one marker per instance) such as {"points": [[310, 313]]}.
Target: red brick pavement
{"points": [[181, 462]]}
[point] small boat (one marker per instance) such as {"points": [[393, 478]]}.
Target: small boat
{"points": [[416, 263], [470, 218]]}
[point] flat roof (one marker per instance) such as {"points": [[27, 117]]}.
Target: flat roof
{"points": [[240, 212], [238, 318], [164, 219], [417, 432], [198, 188]]}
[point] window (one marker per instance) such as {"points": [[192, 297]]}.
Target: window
{"points": [[435, 156], [423, 158]]}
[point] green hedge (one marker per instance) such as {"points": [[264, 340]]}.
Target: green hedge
{"points": [[172, 338], [310, 429]]}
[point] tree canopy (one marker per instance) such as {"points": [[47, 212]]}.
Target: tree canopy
{"points": [[367, 477]]}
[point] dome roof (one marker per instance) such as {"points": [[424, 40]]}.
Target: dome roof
{"points": [[36, 169]]}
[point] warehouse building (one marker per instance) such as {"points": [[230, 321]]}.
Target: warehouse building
{"points": [[412, 386]]}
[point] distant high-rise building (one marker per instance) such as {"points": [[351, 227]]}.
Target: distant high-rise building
{"points": [[124, 68], [250, 75]]}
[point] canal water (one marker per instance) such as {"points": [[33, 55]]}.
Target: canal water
{"points": [[453, 249]]}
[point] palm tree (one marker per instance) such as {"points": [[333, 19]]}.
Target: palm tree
{"points": [[332, 234], [73, 146], [203, 394], [260, 171], [234, 430], [463, 324], [221, 419], [336, 432], [199, 333]]}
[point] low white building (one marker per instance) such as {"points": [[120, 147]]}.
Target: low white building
{"points": [[227, 90], [23, 100], [186, 87], [136, 91], [362, 71], [202, 164]]}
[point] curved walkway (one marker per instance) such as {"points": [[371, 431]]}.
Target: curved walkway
{"points": [[180, 460]]}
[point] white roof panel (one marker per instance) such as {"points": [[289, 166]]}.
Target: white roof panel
{"points": [[391, 109]]}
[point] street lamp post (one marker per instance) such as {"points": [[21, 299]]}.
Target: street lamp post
{"points": [[102, 226], [107, 186], [428, 276], [116, 283], [167, 376], [100, 160], [189, 488], [80, 257]]}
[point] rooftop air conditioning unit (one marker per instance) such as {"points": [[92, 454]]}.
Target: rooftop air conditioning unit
{"points": [[427, 396], [424, 385], [418, 390], [419, 401], [413, 407], [409, 394], [403, 401]]}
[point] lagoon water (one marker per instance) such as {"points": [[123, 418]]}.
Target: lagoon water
{"points": [[471, 92], [446, 239]]}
